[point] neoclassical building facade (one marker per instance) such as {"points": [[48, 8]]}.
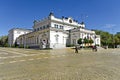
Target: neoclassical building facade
{"points": [[54, 33], [14, 33]]}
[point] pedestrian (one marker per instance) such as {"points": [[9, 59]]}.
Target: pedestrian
{"points": [[76, 49], [95, 48], [92, 48]]}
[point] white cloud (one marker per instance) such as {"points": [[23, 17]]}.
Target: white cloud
{"points": [[109, 25]]}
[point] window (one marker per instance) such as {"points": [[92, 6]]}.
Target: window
{"points": [[43, 27], [56, 26], [40, 28], [37, 29], [70, 21], [48, 26], [61, 27]]}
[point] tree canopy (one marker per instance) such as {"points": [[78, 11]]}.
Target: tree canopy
{"points": [[4, 41], [108, 39], [79, 41]]}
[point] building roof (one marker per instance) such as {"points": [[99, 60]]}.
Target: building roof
{"points": [[21, 29]]}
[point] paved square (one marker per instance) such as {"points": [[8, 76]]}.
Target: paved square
{"points": [[63, 64]]}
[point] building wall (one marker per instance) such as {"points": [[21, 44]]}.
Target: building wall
{"points": [[41, 25], [14, 34], [37, 39], [10, 38], [83, 33], [97, 40], [58, 39]]}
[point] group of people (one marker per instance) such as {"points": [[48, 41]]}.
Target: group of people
{"points": [[94, 48]]}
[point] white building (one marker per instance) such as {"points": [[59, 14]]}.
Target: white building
{"points": [[54, 33], [83, 33], [15, 33]]}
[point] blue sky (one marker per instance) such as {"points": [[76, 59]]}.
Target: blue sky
{"points": [[102, 14]]}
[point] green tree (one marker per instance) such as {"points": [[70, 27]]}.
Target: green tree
{"points": [[85, 41], [91, 41], [79, 41], [106, 38], [4, 41], [117, 39]]}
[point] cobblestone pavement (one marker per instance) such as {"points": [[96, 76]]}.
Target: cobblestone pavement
{"points": [[62, 64]]}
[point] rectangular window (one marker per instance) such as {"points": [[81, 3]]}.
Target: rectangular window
{"points": [[61, 27], [48, 26], [37, 29], [40, 28], [43, 27], [55, 25]]}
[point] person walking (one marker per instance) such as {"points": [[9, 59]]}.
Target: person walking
{"points": [[76, 49], [92, 48], [95, 48]]}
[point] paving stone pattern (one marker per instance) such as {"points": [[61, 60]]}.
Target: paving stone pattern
{"points": [[62, 64]]}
